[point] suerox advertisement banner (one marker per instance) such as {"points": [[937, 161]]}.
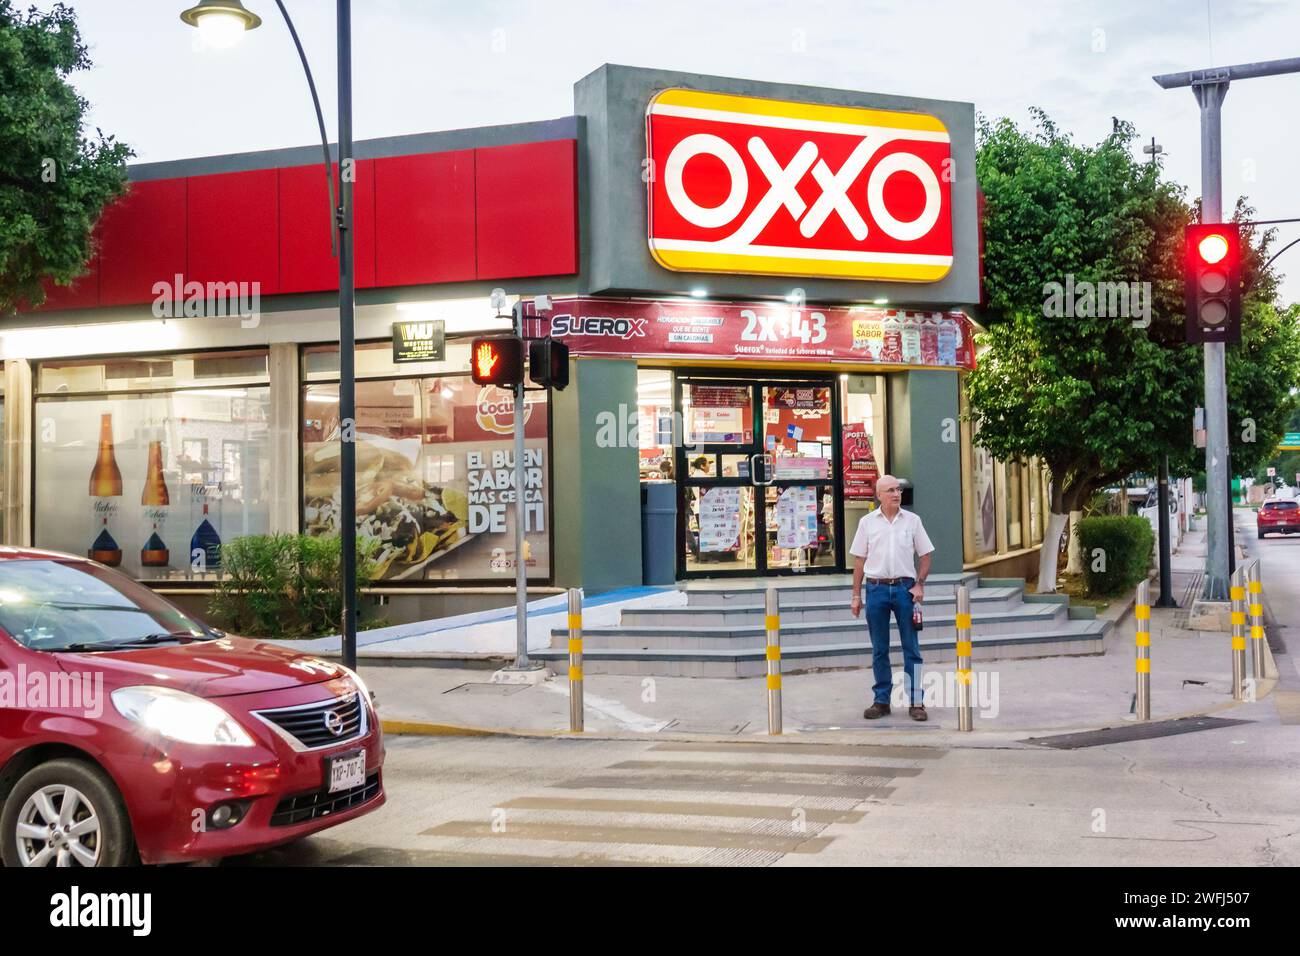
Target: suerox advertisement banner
{"points": [[742, 184], [759, 332]]}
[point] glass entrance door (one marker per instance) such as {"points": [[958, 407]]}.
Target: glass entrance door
{"points": [[758, 466], [800, 425]]}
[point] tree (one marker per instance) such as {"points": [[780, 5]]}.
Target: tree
{"points": [[54, 180], [1094, 394], [1100, 396]]}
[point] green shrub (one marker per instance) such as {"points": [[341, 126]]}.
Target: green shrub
{"points": [[1116, 552], [284, 585]]}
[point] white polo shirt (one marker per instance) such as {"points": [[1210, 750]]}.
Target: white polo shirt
{"points": [[890, 546]]}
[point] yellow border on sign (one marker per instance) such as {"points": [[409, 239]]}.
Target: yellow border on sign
{"points": [[787, 109], [727, 262]]}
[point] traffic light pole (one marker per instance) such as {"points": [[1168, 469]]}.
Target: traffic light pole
{"points": [[1210, 87], [1209, 95], [521, 566]]}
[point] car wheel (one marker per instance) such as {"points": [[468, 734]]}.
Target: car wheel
{"points": [[65, 813]]}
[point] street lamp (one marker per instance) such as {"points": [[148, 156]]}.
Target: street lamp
{"points": [[223, 22]]}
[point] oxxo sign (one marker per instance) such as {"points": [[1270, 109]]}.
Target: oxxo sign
{"points": [[747, 185]]}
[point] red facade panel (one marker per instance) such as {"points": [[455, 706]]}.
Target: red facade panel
{"points": [[307, 263], [527, 209], [83, 293], [232, 229], [142, 240], [491, 213], [424, 218]]}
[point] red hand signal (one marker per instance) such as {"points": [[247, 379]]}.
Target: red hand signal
{"points": [[486, 359]]}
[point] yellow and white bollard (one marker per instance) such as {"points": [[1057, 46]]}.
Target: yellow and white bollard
{"points": [[965, 713], [772, 623], [1142, 639], [1237, 591], [575, 661], [1255, 593]]}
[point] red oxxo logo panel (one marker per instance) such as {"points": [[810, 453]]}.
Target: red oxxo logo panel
{"points": [[748, 185]]}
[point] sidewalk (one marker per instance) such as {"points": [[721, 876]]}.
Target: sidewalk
{"points": [[1015, 699]]}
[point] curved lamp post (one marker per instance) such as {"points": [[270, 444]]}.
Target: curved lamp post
{"points": [[222, 23]]}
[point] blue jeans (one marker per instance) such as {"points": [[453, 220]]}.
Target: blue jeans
{"points": [[882, 599]]}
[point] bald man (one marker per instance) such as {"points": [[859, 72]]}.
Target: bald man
{"points": [[884, 550]]}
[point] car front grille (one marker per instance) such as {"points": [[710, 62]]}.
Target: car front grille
{"points": [[322, 724], [317, 803]]}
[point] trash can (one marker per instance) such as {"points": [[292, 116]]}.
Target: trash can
{"points": [[658, 532]]}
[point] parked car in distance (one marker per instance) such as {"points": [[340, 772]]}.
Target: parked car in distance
{"points": [[130, 731], [1277, 516]]}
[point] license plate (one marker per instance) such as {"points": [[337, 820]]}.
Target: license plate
{"points": [[345, 771]]}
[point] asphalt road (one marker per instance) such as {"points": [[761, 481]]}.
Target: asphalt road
{"points": [[1223, 796]]}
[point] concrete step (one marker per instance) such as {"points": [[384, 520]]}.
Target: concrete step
{"points": [[690, 636], [983, 601], [805, 590], [731, 660]]}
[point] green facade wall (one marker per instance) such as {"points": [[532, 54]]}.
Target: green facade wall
{"points": [[596, 487], [925, 448]]}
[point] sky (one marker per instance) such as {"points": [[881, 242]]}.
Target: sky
{"points": [[421, 65]]}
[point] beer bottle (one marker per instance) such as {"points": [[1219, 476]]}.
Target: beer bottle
{"points": [[155, 498]]}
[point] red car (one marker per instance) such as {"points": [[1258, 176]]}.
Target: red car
{"points": [[131, 732], [1283, 516]]}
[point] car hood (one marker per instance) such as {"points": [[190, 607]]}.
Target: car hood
{"points": [[219, 668]]}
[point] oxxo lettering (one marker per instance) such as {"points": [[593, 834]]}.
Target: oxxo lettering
{"points": [[739, 171]]}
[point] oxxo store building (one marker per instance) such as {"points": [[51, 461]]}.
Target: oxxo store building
{"points": [[761, 286]]}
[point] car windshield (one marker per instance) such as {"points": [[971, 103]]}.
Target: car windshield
{"points": [[62, 606], [1281, 506]]}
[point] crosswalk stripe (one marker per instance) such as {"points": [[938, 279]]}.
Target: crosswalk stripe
{"points": [[601, 833], [838, 769], [806, 750], [712, 782], [684, 808]]}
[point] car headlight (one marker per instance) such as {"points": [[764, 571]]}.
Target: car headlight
{"points": [[179, 716], [361, 685]]}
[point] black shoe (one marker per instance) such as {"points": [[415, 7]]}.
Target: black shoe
{"points": [[876, 710]]}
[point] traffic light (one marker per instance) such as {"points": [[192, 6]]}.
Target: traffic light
{"points": [[548, 363], [1213, 282], [498, 360]]}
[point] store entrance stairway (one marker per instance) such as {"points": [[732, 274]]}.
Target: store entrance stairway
{"points": [[718, 631]]}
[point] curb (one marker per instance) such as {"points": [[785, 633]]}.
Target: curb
{"points": [[420, 728], [864, 737]]}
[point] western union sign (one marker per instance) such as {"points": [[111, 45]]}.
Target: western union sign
{"points": [[419, 341]]}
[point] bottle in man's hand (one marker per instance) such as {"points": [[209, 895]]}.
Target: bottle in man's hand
{"points": [[917, 622]]}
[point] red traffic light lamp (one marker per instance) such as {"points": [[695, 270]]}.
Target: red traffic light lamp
{"points": [[498, 360], [1212, 248], [1212, 282]]}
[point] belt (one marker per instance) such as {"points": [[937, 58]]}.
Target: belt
{"points": [[889, 580]]}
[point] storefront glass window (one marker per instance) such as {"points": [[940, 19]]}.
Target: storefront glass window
{"points": [[985, 516], [863, 435], [718, 414], [168, 457], [1014, 498], [1035, 482], [435, 475], [654, 409]]}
